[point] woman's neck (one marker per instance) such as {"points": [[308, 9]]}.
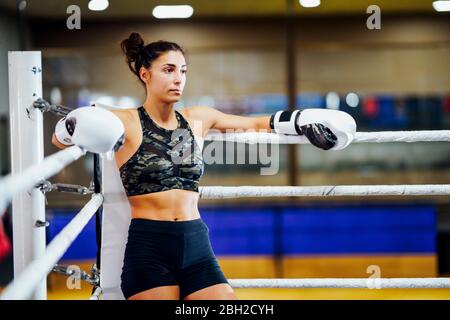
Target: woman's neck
{"points": [[160, 112]]}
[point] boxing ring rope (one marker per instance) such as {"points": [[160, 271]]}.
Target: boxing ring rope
{"points": [[28, 179], [96, 295], [363, 283], [23, 285], [220, 192], [402, 136], [360, 137]]}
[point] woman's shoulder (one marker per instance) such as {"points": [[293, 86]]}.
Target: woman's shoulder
{"points": [[124, 112], [196, 112], [131, 123], [126, 115]]}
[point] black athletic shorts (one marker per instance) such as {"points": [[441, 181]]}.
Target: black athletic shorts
{"points": [[165, 253]]}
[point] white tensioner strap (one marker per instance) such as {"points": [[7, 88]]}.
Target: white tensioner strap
{"points": [[286, 122]]}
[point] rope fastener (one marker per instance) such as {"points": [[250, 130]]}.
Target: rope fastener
{"points": [[40, 224]]}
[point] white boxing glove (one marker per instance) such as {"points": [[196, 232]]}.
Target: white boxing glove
{"points": [[63, 131], [325, 128], [95, 129], [339, 122]]}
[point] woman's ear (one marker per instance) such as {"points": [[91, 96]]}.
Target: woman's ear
{"points": [[144, 74]]}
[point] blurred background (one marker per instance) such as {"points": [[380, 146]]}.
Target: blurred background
{"points": [[254, 58]]}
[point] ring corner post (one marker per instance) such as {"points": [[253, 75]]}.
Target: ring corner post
{"points": [[27, 149]]}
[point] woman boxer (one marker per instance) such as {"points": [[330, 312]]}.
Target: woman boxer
{"points": [[168, 254]]}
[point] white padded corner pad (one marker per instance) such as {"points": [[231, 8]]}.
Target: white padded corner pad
{"points": [[115, 223]]}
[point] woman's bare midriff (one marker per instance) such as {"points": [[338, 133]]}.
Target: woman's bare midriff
{"points": [[172, 205]]}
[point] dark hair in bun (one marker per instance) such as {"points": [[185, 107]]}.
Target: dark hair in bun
{"points": [[138, 54]]}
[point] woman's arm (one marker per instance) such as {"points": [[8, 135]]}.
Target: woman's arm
{"points": [[324, 128], [214, 119], [58, 144]]}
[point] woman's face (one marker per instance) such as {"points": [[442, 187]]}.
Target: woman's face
{"points": [[166, 77]]}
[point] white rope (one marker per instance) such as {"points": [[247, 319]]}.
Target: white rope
{"points": [[403, 136], [370, 283], [221, 192], [369, 137], [96, 295], [29, 178], [22, 287]]}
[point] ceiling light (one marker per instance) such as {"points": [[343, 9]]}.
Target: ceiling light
{"points": [[441, 6], [332, 100], [352, 100], [309, 3], [22, 5], [98, 5], [173, 12], [55, 96]]}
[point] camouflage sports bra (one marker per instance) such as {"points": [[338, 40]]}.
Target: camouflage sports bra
{"points": [[165, 160]]}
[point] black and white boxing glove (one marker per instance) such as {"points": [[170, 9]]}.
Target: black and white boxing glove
{"points": [[95, 129], [64, 130], [326, 129]]}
